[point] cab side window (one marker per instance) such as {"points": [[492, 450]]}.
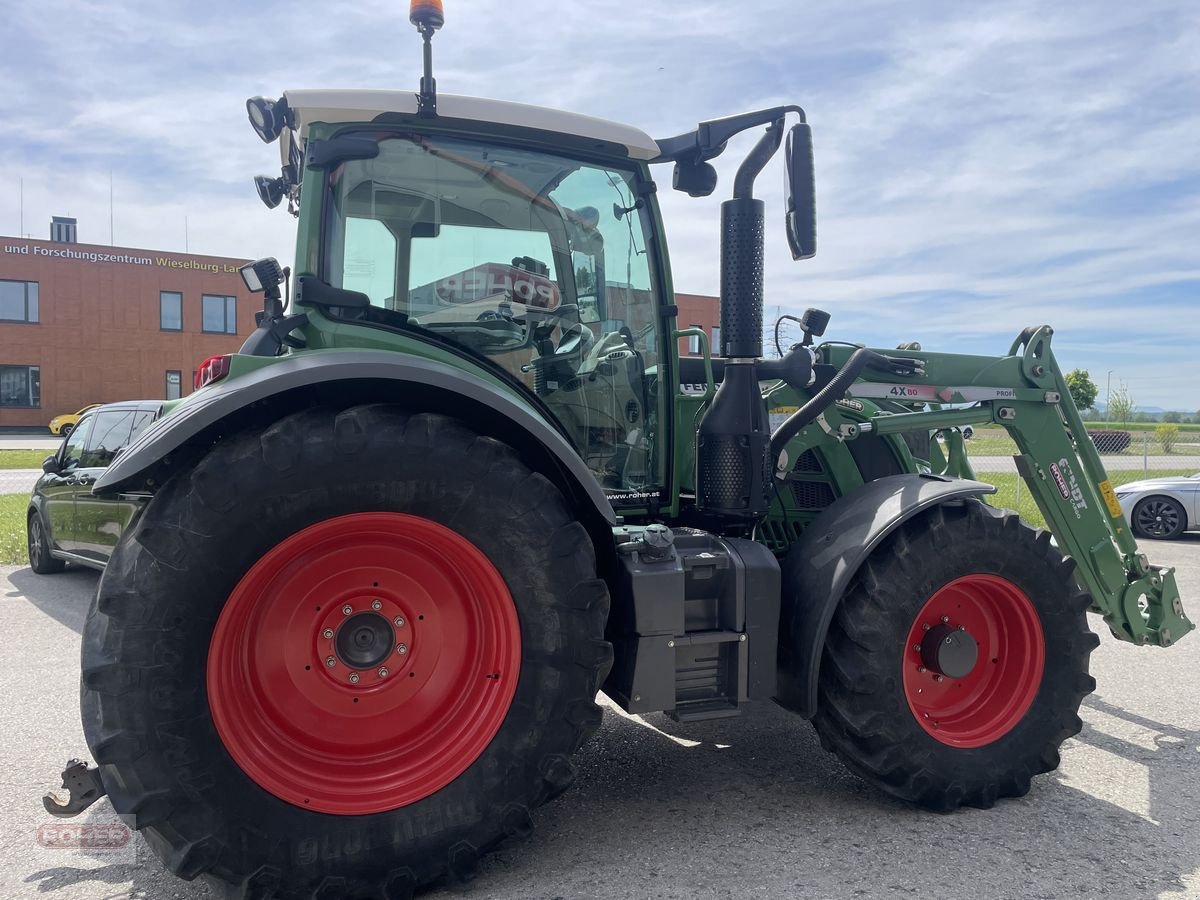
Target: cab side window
{"points": [[109, 434], [73, 448]]}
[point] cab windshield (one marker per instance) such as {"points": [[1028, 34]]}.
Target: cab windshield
{"points": [[534, 261]]}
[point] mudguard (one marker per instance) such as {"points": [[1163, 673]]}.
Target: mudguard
{"points": [[379, 376], [820, 565]]}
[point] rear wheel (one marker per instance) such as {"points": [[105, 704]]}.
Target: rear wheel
{"points": [[956, 663], [66, 430], [1159, 518], [40, 558], [344, 656]]}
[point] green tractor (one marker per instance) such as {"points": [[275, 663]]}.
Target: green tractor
{"points": [[461, 479]]}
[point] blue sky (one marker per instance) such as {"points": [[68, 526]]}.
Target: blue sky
{"points": [[981, 167]]}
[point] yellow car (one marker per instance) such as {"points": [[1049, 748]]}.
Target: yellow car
{"points": [[65, 424]]}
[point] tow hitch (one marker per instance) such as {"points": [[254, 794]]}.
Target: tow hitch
{"points": [[83, 786]]}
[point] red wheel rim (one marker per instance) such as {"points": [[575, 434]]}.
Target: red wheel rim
{"points": [[988, 701], [281, 689]]}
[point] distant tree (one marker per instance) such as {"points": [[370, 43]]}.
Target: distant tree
{"points": [[1142, 418], [1083, 389], [1172, 417], [1120, 405]]}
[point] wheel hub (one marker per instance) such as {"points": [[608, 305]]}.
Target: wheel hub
{"points": [[364, 663], [974, 660], [949, 651], [364, 641]]}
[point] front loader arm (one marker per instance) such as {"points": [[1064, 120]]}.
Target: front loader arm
{"points": [[1025, 392]]}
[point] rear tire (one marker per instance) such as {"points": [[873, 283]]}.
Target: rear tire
{"points": [[188, 661], [38, 542], [66, 430], [1159, 518], [926, 736]]}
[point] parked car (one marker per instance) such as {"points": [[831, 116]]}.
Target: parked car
{"points": [[66, 423], [1162, 508], [65, 521]]}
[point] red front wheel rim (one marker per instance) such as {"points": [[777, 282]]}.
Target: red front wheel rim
{"points": [[364, 663], [976, 707]]}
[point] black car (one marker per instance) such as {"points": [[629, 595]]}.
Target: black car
{"points": [[66, 521]]}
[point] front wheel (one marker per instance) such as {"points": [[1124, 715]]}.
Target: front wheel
{"points": [[65, 431], [955, 665], [344, 655], [1159, 518], [40, 558]]}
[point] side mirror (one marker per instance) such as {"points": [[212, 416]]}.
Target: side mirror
{"points": [[801, 193], [50, 464]]}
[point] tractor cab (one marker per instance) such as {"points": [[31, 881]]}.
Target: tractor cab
{"points": [[520, 238]]}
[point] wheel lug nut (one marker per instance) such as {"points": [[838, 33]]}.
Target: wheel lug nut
{"points": [[399, 621], [402, 649], [920, 669], [330, 661], [917, 648], [937, 678], [945, 619], [327, 633], [376, 604], [354, 678], [383, 672], [925, 627], [347, 609]]}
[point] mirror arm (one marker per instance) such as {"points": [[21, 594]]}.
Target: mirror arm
{"points": [[768, 144]]}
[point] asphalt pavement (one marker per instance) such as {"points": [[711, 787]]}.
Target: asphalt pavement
{"points": [[747, 807], [45, 442], [1111, 463], [18, 481]]}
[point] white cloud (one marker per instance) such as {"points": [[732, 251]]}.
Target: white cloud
{"points": [[1040, 158]]}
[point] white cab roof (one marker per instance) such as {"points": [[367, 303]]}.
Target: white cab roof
{"points": [[363, 106]]}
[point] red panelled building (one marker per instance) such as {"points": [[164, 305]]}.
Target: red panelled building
{"points": [[81, 323]]}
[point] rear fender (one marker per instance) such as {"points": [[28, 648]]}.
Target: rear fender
{"points": [[358, 376], [823, 561]]}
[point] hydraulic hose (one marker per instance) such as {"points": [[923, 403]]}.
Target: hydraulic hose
{"points": [[823, 399]]}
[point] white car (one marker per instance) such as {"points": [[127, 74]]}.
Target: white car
{"points": [[1162, 508]]}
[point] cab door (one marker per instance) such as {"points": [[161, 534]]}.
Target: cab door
{"points": [[58, 488], [100, 521]]}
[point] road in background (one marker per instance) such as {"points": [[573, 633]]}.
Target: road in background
{"points": [[1111, 463], [731, 808], [45, 442]]}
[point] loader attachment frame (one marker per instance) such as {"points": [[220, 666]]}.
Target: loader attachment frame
{"points": [[1026, 393]]}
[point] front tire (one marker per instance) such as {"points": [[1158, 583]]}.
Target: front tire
{"points": [[38, 542], [65, 431], [955, 665], [244, 719], [1159, 518]]}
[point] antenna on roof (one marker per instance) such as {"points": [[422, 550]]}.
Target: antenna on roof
{"points": [[427, 15]]}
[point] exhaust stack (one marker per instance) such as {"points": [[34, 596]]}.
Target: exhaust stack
{"points": [[733, 468]]}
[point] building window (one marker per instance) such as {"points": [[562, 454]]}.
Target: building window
{"points": [[174, 384], [218, 314], [21, 386], [170, 310], [716, 340], [693, 343], [18, 301]]}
